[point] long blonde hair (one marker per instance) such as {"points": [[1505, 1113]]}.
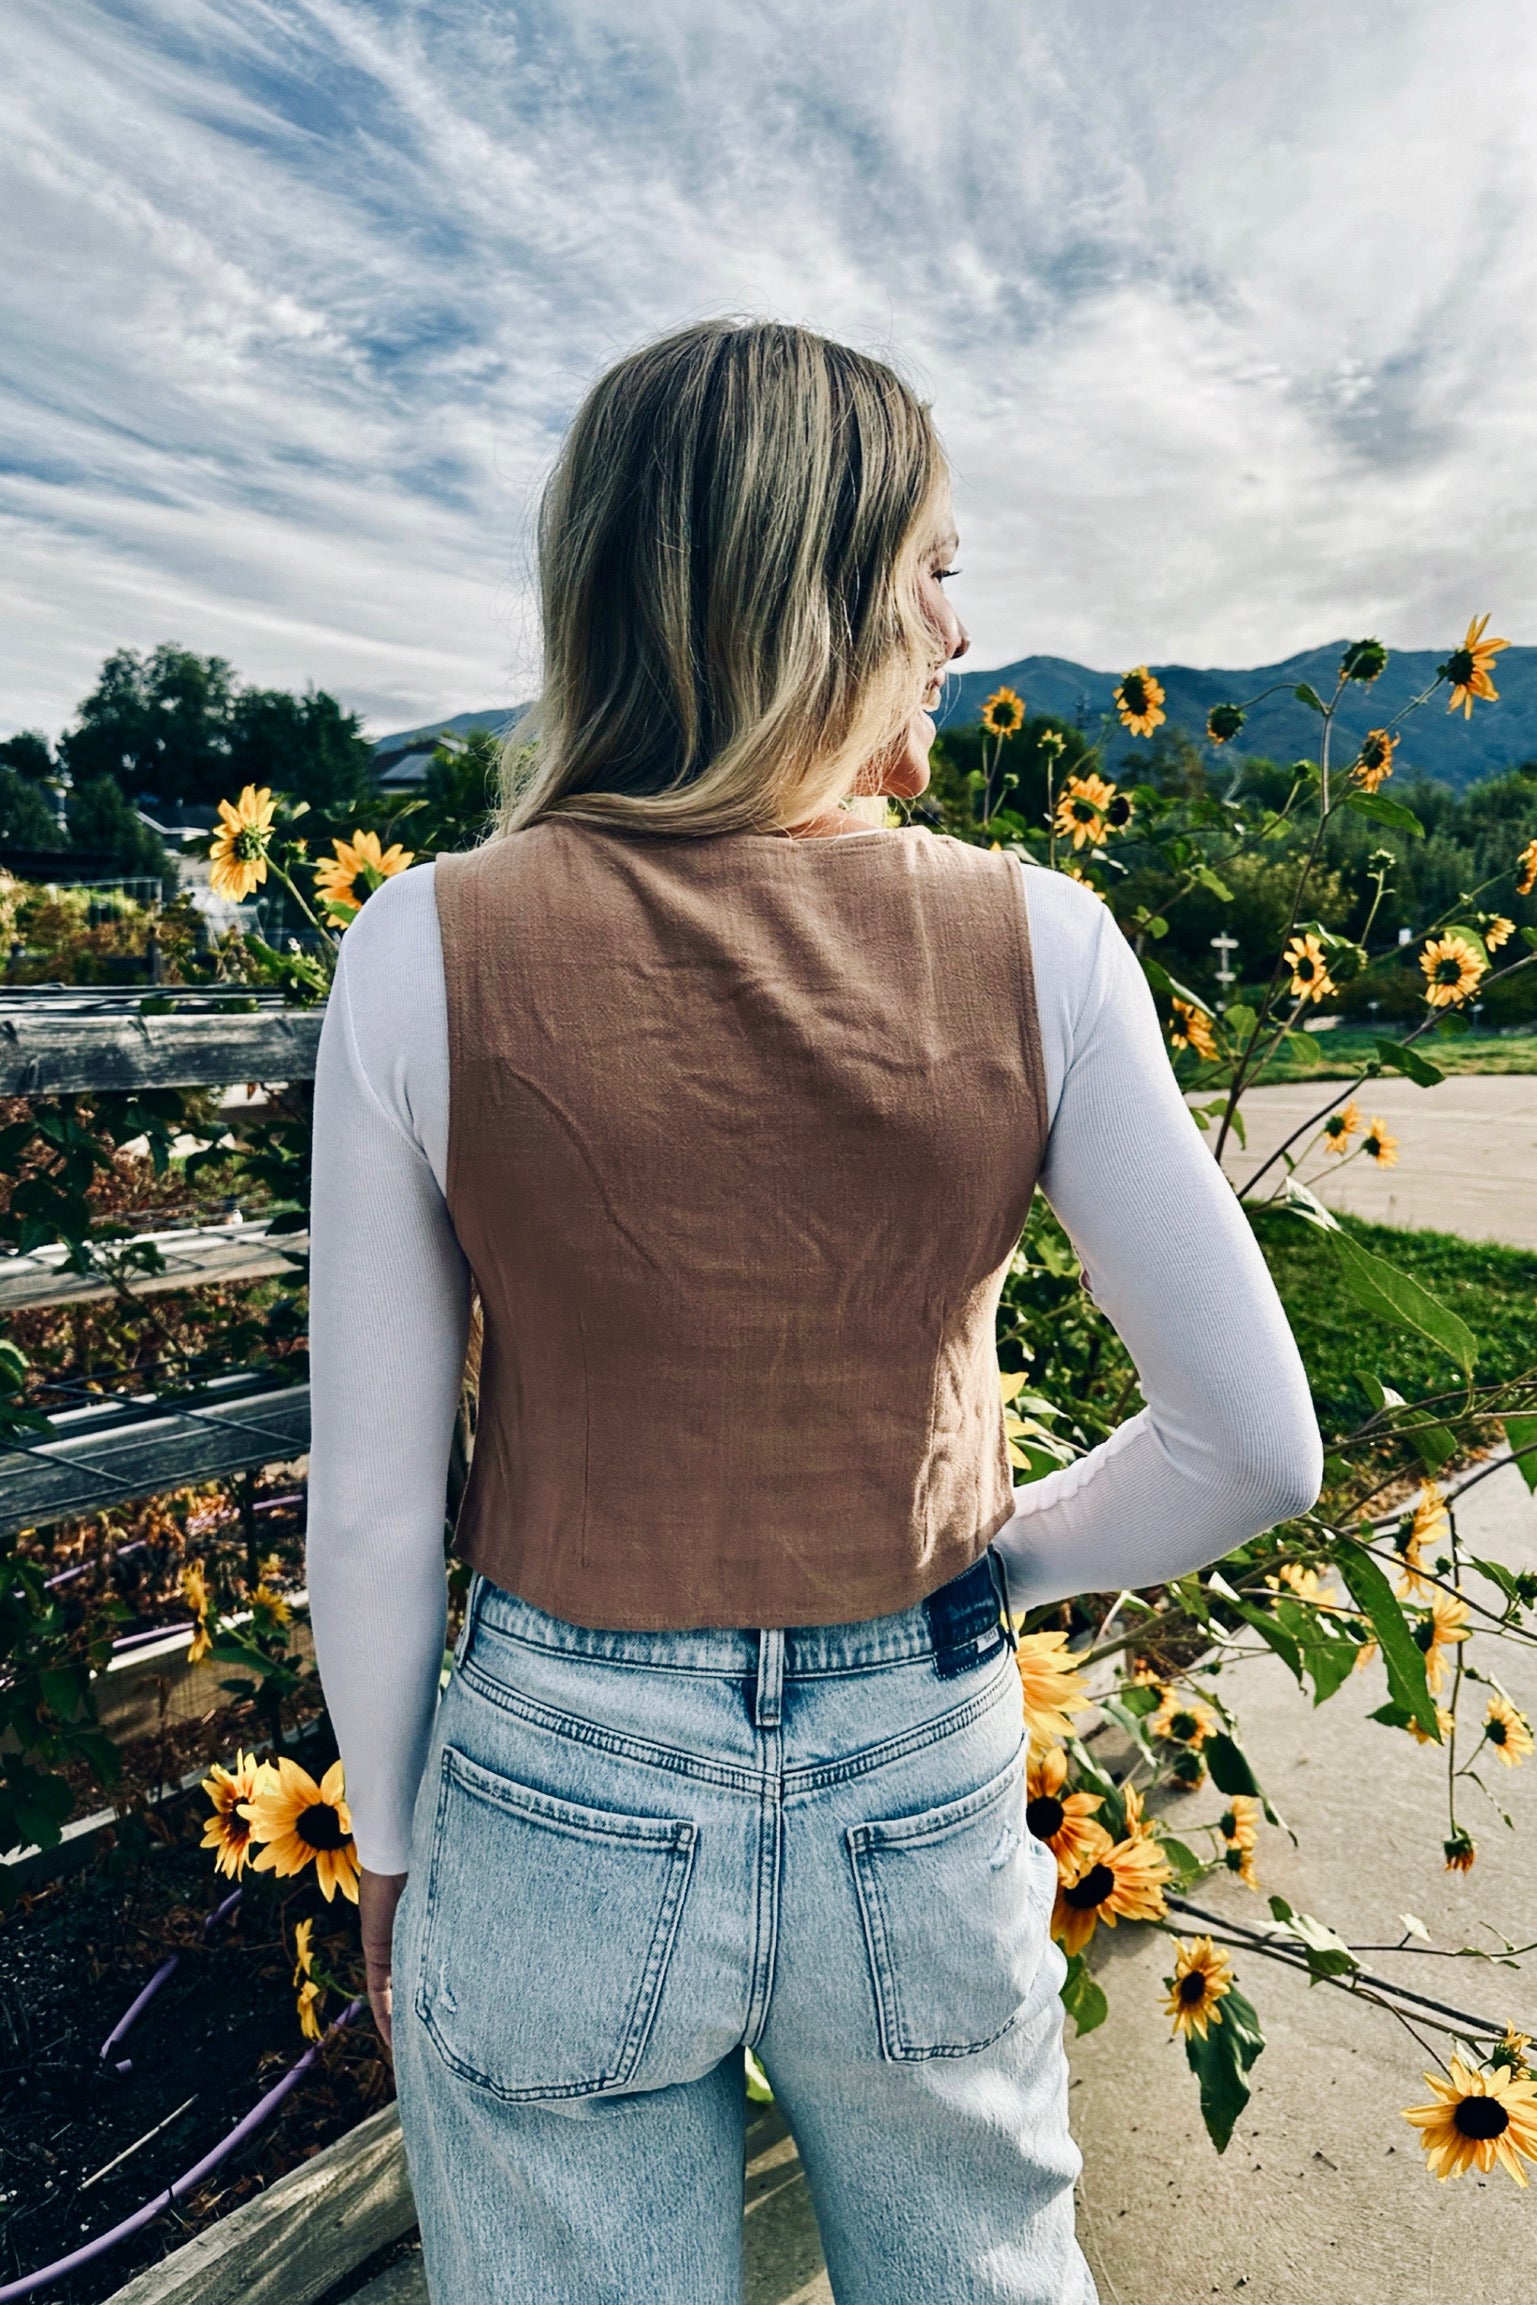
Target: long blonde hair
{"points": [[727, 569]]}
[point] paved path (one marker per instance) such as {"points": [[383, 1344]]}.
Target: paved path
{"points": [[1467, 1153]]}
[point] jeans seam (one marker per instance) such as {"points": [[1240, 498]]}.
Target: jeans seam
{"points": [[569, 1725], [798, 1782]]}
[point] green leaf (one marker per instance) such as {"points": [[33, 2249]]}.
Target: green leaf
{"points": [[1393, 1295], [1328, 1955], [1381, 810], [1306, 695], [1282, 1643], [1240, 1020], [1399, 1056], [1187, 1865], [1521, 1432], [1401, 1653], [1498, 1574], [1229, 1765], [1082, 1998], [1211, 881], [1435, 1445], [1140, 1701], [759, 2088], [1220, 2062]]}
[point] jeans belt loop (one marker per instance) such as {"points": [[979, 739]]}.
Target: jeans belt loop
{"points": [[768, 1695]]}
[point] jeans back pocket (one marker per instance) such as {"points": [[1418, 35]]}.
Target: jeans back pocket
{"points": [[955, 1907], [546, 1934]]}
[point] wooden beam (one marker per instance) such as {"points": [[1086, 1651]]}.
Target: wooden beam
{"points": [[123, 1451], [57, 1055], [307, 2232], [193, 1260]]}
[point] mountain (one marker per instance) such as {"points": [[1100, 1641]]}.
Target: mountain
{"points": [[1435, 743]]}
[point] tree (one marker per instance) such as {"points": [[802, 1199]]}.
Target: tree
{"points": [[159, 725], [306, 746], [28, 754], [102, 823], [26, 820]]}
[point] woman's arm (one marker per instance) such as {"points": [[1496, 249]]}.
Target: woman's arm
{"points": [[1228, 1442], [389, 1299]]}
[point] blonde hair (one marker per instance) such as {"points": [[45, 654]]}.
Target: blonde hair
{"points": [[727, 569]]}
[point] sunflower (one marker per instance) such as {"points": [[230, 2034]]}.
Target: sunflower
{"points": [[1081, 810], [1340, 1127], [269, 1608], [1443, 1625], [1202, 1977], [1121, 1880], [1139, 701], [1479, 2117], [1460, 1852], [1526, 869], [1061, 1820], [227, 1832], [1306, 1583], [1238, 1826], [310, 2002], [1467, 668], [1119, 810], [1445, 1722], [345, 882], [1311, 980], [1183, 1720], [1052, 1685], [304, 1950], [1379, 1144], [1429, 1524], [298, 1820], [1498, 931], [1364, 660], [194, 1591], [1004, 713], [1224, 721], [1374, 762], [1452, 970], [1509, 1732], [1076, 872], [237, 860], [1190, 1027], [1510, 2051]]}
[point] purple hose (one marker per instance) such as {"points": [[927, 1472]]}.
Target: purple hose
{"points": [[185, 2184], [167, 1968]]}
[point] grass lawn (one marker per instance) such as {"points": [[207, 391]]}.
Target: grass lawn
{"points": [[1494, 1289], [1339, 1055]]}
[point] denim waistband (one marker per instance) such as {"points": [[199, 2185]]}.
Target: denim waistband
{"points": [[957, 1626]]}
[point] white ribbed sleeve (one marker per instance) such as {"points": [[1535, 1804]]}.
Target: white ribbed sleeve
{"points": [[1226, 1445]]}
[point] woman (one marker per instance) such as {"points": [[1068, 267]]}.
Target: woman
{"points": [[730, 1104]]}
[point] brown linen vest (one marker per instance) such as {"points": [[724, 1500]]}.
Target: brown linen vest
{"points": [[742, 1135]]}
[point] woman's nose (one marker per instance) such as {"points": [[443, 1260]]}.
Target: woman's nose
{"points": [[960, 638]]}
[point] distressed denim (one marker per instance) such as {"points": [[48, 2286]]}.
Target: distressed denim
{"points": [[634, 1853]]}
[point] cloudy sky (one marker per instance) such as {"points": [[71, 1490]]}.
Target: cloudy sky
{"points": [[1228, 309]]}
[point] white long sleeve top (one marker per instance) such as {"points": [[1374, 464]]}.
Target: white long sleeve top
{"points": [[1226, 1445]]}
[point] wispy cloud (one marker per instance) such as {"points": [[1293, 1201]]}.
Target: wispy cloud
{"points": [[1227, 311]]}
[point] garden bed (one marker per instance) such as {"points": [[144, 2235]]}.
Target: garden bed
{"points": [[220, 2032]]}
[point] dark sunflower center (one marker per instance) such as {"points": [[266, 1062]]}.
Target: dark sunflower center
{"points": [[1461, 666], [1045, 1816], [1184, 1726], [1448, 970], [1425, 1634], [319, 1827], [1481, 2117], [1092, 1890], [1192, 1988], [1496, 1732], [1135, 694], [1119, 811]]}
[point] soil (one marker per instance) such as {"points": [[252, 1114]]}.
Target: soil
{"points": [[220, 2032]]}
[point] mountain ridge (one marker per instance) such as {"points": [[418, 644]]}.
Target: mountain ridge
{"points": [[1437, 744]]}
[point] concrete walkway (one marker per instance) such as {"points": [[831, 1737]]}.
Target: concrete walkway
{"points": [[1467, 1153]]}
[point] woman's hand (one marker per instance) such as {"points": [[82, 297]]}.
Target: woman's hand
{"points": [[378, 1895]]}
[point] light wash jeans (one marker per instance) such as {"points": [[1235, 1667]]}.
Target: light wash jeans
{"points": [[635, 1852]]}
